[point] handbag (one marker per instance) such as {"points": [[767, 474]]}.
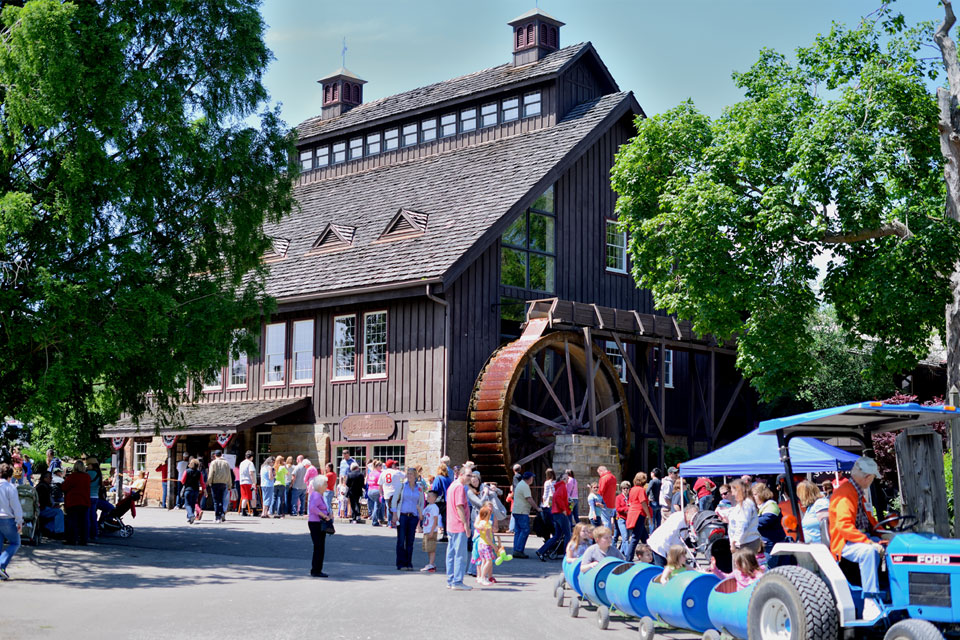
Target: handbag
{"points": [[326, 526]]}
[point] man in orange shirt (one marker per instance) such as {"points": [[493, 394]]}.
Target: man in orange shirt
{"points": [[851, 526]]}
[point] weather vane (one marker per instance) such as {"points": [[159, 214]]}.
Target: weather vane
{"points": [[343, 54]]}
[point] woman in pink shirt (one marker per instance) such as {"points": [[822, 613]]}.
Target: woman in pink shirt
{"points": [[373, 492]]}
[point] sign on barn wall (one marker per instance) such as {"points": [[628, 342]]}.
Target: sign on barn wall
{"points": [[367, 426]]}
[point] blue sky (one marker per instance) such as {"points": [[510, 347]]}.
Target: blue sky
{"points": [[664, 51]]}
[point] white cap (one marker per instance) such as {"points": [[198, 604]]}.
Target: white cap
{"points": [[867, 466]]}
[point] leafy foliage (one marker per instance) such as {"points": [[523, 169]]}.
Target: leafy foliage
{"points": [[133, 195], [884, 451], [837, 152]]}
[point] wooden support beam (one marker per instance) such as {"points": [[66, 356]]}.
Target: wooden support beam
{"points": [[663, 386], [596, 311], [591, 391], [546, 383], [536, 454], [712, 393], [726, 412], [566, 351], [535, 417], [612, 407], [640, 385], [636, 317]]}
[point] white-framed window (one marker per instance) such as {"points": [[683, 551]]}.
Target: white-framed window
{"points": [[345, 347], [488, 115], [428, 130], [323, 156], [391, 139], [531, 104], [215, 383], [139, 456], [356, 148], [410, 134], [468, 120], [238, 371], [339, 152], [375, 344], [396, 452], [448, 125], [511, 109], [613, 352], [373, 144], [616, 248], [306, 160], [667, 367], [274, 359], [303, 351]]}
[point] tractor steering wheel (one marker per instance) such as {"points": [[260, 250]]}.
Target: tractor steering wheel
{"points": [[905, 523]]}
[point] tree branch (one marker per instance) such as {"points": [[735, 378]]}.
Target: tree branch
{"points": [[894, 228]]}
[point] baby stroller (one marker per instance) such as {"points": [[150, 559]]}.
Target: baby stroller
{"points": [[112, 522], [710, 540], [30, 503]]}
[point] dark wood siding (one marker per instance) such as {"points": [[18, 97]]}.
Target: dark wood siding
{"points": [[413, 388], [578, 85]]}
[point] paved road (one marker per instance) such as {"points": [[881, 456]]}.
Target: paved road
{"points": [[248, 578]]}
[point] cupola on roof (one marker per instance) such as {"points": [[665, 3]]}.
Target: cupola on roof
{"points": [[342, 91], [535, 35]]}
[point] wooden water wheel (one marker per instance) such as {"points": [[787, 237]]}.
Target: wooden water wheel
{"points": [[535, 388]]}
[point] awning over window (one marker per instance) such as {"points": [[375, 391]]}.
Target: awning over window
{"points": [[221, 417]]}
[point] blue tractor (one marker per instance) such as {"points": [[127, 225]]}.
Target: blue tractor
{"points": [[810, 596]]}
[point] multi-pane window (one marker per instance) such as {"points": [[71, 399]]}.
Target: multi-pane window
{"points": [[397, 452], [531, 104], [339, 152], [357, 452], [323, 156], [410, 134], [373, 144], [428, 130], [345, 347], [488, 115], [375, 344], [356, 148], [511, 109], [274, 353], [303, 351], [468, 120], [306, 160], [238, 370], [667, 367], [391, 139], [448, 125], [613, 352], [616, 248], [528, 248], [215, 382], [139, 456]]}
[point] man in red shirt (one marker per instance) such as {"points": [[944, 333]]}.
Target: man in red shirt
{"points": [[608, 491], [704, 488]]}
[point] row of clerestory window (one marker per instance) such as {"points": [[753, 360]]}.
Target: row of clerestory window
{"points": [[427, 130]]}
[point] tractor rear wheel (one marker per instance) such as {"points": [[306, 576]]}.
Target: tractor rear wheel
{"points": [[792, 603], [913, 629]]}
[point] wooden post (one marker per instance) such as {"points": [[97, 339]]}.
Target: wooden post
{"points": [[955, 450], [920, 467], [591, 391]]}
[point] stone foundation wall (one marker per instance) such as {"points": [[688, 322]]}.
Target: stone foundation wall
{"points": [[309, 440], [582, 455], [156, 456], [424, 444]]}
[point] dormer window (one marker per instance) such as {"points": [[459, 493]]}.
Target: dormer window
{"points": [[339, 152], [356, 148], [448, 125], [323, 156], [468, 120], [391, 139], [488, 115], [373, 144], [428, 130], [511, 109], [531, 104], [306, 160], [334, 237], [407, 223], [410, 135]]}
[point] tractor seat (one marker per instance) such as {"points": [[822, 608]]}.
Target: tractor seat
{"points": [[851, 570]]}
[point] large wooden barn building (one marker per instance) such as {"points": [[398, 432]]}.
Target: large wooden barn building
{"points": [[428, 220]]}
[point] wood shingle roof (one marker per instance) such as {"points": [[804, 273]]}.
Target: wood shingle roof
{"points": [[465, 192]]}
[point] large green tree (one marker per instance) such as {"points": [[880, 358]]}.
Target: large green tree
{"points": [[831, 155], [138, 162]]}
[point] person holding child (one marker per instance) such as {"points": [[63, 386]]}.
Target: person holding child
{"points": [[602, 548]]}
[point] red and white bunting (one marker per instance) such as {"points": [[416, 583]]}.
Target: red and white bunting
{"points": [[117, 443], [169, 441], [223, 439]]}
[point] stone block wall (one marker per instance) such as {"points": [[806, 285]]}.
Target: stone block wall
{"points": [[309, 440], [156, 456], [424, 444], [582, 455]]}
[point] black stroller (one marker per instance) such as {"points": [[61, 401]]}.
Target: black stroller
{"points": [[112, 521], [709, 538]]}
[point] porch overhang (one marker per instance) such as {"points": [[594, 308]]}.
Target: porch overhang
{"points": [[214, 418]]}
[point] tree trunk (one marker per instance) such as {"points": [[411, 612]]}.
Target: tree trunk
{"points": [[949, 127]]}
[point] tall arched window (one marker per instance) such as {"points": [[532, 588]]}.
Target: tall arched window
{"points": [[356, 93], [543, 35], [326, 93], [529, 35], [335, 92], [553, 38], [520, 43]]}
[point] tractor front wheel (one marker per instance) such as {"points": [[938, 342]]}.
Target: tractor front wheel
{"points": [[792, 603], [913, 629]]}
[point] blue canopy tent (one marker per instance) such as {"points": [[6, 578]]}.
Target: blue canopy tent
{"points": [[755, 454]]}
